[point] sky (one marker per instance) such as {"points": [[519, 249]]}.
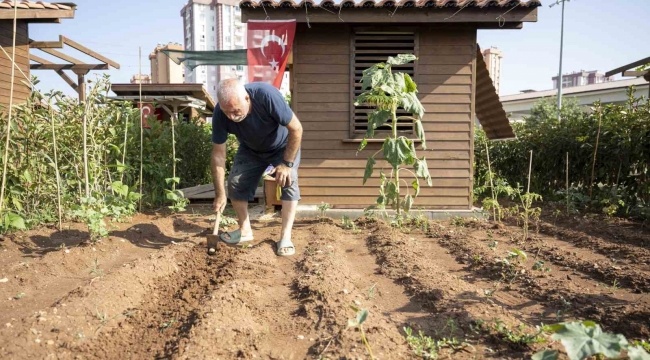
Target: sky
{"points": [[598, 35]]}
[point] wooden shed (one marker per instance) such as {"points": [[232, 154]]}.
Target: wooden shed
{"points": [[27, 12], [334, 43]]}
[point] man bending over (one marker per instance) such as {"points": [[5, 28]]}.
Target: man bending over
{"points": [[269, 134]]}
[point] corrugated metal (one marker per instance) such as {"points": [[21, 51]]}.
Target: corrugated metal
{"points": [[489, 109], [392, 3]]}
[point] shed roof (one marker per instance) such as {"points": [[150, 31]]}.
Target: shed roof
{"points": [[194, 90], [489, 109], [37, 11], [392, 3]]}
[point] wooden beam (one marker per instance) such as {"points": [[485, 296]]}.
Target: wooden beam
{"points": [[382, 15], [635, 73], [42, 14], [39, 60], [89, 52], [62, 56], [46, 44], [67, 79], [81, 89], [79, 67], [628, 67]]}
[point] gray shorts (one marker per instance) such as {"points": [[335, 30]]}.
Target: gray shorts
{"points": [[248, 168]]}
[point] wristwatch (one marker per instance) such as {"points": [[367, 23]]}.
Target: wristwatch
{"points": [[288, 164]]}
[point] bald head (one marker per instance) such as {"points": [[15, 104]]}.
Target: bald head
{"points": [[233, 99]]}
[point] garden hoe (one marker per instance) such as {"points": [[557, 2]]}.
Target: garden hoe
{"points": [[213, 239]]}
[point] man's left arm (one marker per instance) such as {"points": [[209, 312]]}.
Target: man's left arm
{"points": [[283, 172], [294, 140]]}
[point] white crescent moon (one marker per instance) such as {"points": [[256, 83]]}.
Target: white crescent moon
{"points": [[268, 38]]}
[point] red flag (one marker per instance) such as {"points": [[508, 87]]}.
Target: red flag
{"points": [[269, 45]]}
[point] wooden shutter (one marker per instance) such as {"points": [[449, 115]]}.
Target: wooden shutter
{"points": [[369, 48]]}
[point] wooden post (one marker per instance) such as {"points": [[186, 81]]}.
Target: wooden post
{"points": [[593, 164], [487, 152], [56, 167], [567, 183], [11, 106], [530, 168], [174, 118], [141, 126], [81, 83]]}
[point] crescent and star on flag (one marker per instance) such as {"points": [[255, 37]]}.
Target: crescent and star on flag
{"points": [[273, 38]]}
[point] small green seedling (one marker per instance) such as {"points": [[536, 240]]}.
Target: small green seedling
{"points": [[423, 346], [322, 209], [95, 270], [371, 291], [167, 324], [615, 286], [458, 221], [19, 296], [493, 245], [539, 266], [362, 315]]}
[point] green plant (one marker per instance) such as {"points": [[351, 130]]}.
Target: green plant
{"points": [[622, 159], [429, 348], [566, 307], [539, 266], [347, 223], [175, 196], [615, 286], [92, 212], [422, 345], [95, 270], [362, 315], [372, 290], [322, 208], [10, 221], [517, 336], [19, 296], [458, 221], [123, 202], [386, 93], [585, 339], [509, 267], [527, 211], [167, 324]]}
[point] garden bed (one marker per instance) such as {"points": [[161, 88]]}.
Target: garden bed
{"points": [[150, 290]]}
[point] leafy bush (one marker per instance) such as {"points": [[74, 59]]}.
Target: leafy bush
{"points": [[622, 160], [113, 138]]}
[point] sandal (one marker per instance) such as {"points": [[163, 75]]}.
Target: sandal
{"points": [[234, 237], [285, 248]]}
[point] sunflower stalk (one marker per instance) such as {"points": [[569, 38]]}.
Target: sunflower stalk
{"points": [[386, 93]]}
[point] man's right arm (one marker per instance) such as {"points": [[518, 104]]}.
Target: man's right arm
{"points": [[218, 167]]}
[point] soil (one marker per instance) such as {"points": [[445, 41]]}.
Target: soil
{"points": [[150, 291]]}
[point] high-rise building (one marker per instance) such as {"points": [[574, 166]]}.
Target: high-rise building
{"points": [[581, 78], [163, 69], [493, 58], [213, 25]]}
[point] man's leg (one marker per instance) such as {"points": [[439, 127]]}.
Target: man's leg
{"points": [[290, 198], [241, 208], [288, 216], [243, 180]]}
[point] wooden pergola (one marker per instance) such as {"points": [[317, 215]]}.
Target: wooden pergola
{"points": [[628, 72], [78, 67]]}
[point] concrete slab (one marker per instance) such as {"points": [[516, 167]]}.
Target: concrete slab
{"points": [[311, 211]]}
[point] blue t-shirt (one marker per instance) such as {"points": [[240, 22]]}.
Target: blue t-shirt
{"points": [[264, 129]]}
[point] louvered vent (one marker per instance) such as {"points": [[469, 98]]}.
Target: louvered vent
{"points": [[369, 49]]}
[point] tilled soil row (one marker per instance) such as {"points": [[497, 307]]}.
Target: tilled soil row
{"points": [[552, 290], [173, 306], [79, 315], [631, 269], [327, 291], [403, 259]]}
